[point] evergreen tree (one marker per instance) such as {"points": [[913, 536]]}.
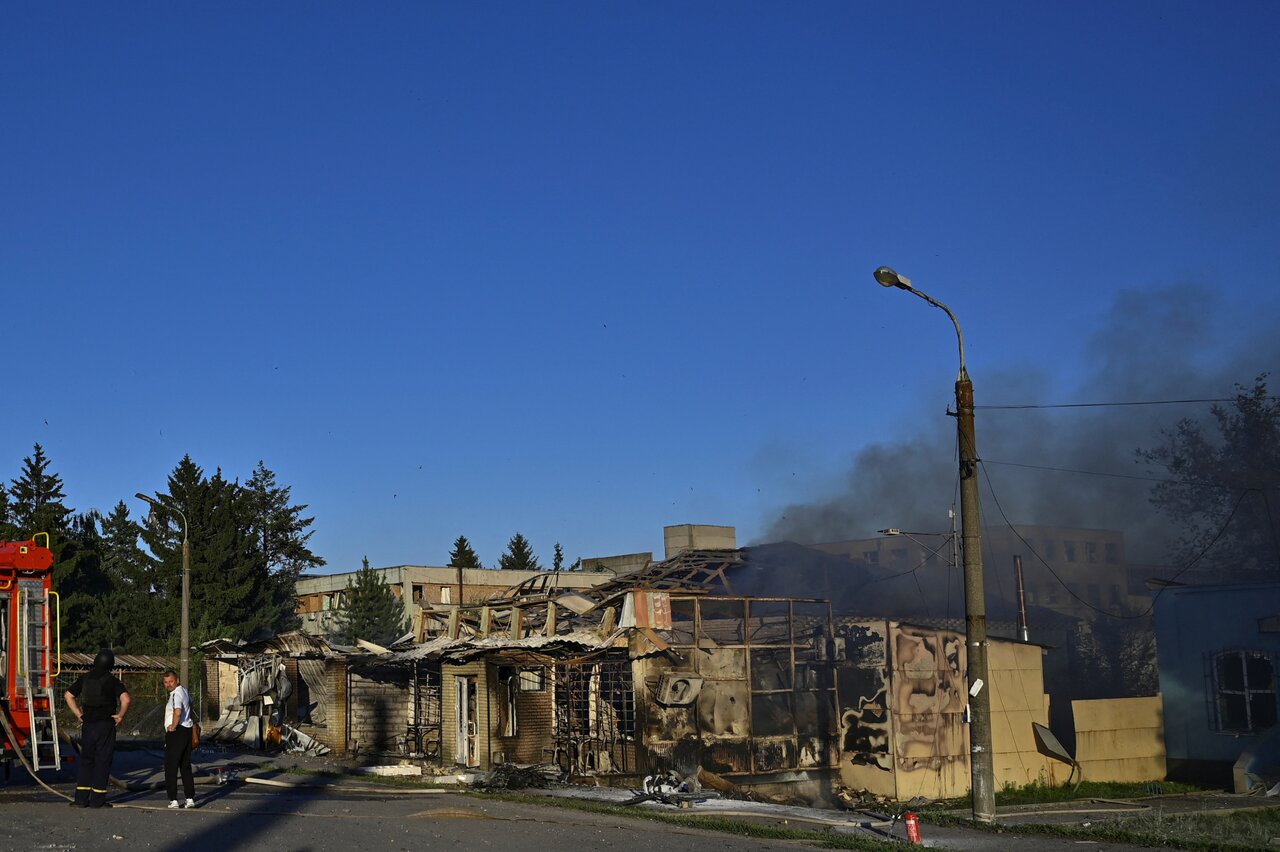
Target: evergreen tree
{"points": [[8, 532], [370, 610], [557, 559], [1225, 488], [129, 618], [519, 556], [35, 498], [232, 593], [82, 583], [462, 556], [280, 533]]}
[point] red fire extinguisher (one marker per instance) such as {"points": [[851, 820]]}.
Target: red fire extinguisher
{"points": [[913, 828]]}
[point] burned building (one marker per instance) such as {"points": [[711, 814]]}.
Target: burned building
{"points": [[683, 666]]}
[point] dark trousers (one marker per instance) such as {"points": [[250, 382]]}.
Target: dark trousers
{"points": [[177, 755], [97, 746]]}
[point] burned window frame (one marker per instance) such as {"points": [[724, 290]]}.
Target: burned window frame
{"points": [[582, 729], [806, 646], [1246, 693]]}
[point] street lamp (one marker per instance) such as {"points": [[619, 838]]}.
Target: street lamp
{"points": [[975, 607], [183, 652]]}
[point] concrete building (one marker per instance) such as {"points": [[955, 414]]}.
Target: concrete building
{"points": [[319, 596], [1218, 649], [1069, 570]]}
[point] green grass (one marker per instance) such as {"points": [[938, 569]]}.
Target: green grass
{"points": [[1204, 832], [1032, 794]]}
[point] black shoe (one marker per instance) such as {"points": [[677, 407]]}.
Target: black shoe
{"points": [[103, 805]]}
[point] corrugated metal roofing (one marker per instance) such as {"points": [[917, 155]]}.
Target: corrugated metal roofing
{"points": [[126, 662]]}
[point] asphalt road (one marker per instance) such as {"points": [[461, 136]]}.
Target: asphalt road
{"points": [[289, 818], [243, 816]]}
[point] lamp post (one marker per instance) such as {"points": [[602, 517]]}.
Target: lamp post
{"points": [[184, 652], [975, 607]]}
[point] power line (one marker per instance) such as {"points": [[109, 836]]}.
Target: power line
{"points": [[1151, 607], [1132, 403], [1086, 472], [1187, 484]]}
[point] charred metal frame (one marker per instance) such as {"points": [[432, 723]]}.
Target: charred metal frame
{"points": [[788, 656], [595, 715], [425, 730]]}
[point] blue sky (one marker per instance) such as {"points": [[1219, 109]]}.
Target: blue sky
{"points": [[585, 269]]}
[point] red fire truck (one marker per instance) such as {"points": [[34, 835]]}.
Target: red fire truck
{"points": [[30, 653]]}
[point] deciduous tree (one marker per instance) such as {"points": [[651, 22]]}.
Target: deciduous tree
{"points": [[1225, 486]]}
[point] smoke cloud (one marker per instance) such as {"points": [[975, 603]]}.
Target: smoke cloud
{"points": [[1156, 344]]}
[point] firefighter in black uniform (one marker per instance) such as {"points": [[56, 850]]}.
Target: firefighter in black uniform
{"points": [[93, 698]]}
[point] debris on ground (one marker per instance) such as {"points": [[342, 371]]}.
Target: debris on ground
{"points": [[670, 789], [295, 741], [519, 776]]}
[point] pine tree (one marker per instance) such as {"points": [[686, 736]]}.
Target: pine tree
{"points": [[35, 498], [130, 608], [370, 610], [462, 556], [82, 583], [557, 559], [232, 593], [280, 533], [519, 556]]}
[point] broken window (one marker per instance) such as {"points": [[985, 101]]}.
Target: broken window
{"points": [[721, 622], [682, 621], [1113, 552], [510, 688], [595, 716], [1069, 548], [770, 622], [533, 680], [1246, 691]]}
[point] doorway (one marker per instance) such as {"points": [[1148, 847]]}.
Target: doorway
{"points": [[467, 751]]}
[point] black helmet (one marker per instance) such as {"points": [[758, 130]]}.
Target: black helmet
{"points": [[105, 661]]}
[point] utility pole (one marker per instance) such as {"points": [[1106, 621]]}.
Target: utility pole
{"points": [[184, 652], [981, 764]]}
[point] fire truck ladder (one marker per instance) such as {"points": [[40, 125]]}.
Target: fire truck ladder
{"points": [[39, 663]]}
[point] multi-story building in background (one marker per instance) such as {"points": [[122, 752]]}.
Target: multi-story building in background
{"points": [[1071, 570]]}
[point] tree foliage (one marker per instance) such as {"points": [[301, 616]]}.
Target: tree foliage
{"points": [[35, 498], [1225, 486], [519, 556], [120, 582], [557, 558], [280, 534], [462, 555], [370, 610]]}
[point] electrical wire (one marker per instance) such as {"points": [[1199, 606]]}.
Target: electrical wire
{"points": [[1157, 479], [1151, 607], [1133, 403]]}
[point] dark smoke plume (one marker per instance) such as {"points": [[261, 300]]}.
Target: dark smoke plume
{"points": [[1156, 344]]}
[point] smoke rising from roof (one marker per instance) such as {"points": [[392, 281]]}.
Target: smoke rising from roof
{"points": [[1155, 344]]}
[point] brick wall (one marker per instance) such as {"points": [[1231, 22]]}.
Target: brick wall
{"points": [[379, 705], [535, 719], [449, 710], [210, 697]]}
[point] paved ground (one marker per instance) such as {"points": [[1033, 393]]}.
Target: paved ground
{"points": [[336, 816]]}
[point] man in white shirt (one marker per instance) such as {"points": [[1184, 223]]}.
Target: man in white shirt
{"points": [[177, 742]]}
